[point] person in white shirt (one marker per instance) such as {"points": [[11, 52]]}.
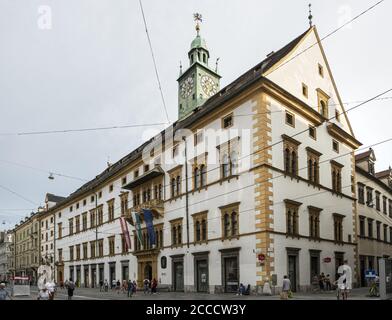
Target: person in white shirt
{"points": [[43, 294], [51, 288]]}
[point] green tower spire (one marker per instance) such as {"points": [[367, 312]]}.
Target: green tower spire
{"points": [[199, 82]]}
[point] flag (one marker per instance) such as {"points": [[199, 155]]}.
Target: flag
{"points": [[136, 220], [150, 226], [125, 231]]}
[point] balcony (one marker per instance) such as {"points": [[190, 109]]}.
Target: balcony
{"points": [[155, 205]]}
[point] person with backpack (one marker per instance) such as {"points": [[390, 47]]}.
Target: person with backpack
{"points": [[71, 288]]}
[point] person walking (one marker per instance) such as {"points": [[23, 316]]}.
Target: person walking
{"points": [[3, 292], [286, 285], [146, 284], [327, 283], [106, 285], [71, 288], [154, 285], [134, 287], [113, 284], [130, 288], [101, 285]]}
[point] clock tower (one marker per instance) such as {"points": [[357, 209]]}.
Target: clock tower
{"points": [[199, 82]]}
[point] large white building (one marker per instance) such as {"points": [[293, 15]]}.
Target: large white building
{"points": [[253, 182]]}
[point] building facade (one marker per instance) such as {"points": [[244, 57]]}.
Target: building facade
{"points": [[254, 181], [3, 256], [27, 247], [374, 213]]}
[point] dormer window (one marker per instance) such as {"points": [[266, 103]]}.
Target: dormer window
{"points": [[322, 98]]}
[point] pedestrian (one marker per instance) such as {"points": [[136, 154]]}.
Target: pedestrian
{"points": [[124, 286], [130, 289], [3, 292], [154, 285], [51, 288], [327, 283], [118, 285], [101, 285], [321, 281], [134, 287], [71, 288], [286, 285], [241, 290], [146, 284], [43, 294], [106, 285]]}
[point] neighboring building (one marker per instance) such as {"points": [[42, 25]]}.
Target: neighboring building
{"points": [[3, 256], [27, 247], [272, 194], [10, 253], [47, 223], [374, 191]]}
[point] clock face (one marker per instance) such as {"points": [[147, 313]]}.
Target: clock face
{"points": [[187, 87], [208, 85]]}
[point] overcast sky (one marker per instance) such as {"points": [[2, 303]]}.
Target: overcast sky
{"points": [[93, 68]]}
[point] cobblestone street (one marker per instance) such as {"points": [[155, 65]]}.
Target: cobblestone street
{"points": [[95, 294]]}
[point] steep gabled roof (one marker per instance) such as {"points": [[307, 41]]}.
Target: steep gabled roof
{"points": [[50, 197], [364, 155], [383, 174]]}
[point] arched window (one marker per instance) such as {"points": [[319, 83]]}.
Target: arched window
{"points": [[234, 162], [234, 230], [226, 223], [198, 56], [225, 166], [204, 58], [196, 177], [287, 160], [203, 175], [197, 230], [294, 163], [178, 185], [204, 229], [191, 58]]}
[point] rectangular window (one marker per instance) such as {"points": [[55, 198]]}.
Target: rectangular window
{"points": [[100, 194], [124, 203], [385, 233], [84, 221], [290, 119], [78, 252], [100, 215], [100, 248], [200, 227], [92, 249], [378, 230], [146, 168], [230, 221], [92, 199], [290, 155], [197, 138], [227, 121], [123, 244], [60, 230], [292, 217], [124, 180], [111, 188], [70, 224], [111, 241], [384, 204], [111, 210], [77, 224], [335, 146], [321, 70], [313, 165], [314, 222], [71, 253], [84, 202], [92, 218], [336, 173], [369, 197], [304, 90], [361, 193], [175, 183], [338, 227], [378, 207], [85, 250], [312, 132], [77, 205], [135, 174], [176, 232], [70, 208]]}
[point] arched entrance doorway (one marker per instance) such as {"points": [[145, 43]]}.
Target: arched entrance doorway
{"points": [[148, 271]]}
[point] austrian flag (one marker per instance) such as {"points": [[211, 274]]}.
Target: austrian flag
{"points": [[125, 232]]}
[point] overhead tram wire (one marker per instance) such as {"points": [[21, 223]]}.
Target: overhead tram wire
{"points": [[17, 194], [154, 62]]}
